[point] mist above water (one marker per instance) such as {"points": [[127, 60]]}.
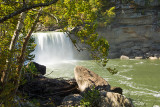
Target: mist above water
{"points": [[53, 47]]}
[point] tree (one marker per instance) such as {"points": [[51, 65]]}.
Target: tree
{"points": [[21, 17]]}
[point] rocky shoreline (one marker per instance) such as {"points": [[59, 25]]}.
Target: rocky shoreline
{"points": [[59, 92], [140, 57], [47, 90]]}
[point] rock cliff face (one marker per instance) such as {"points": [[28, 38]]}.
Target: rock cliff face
{"points": [[135, 31]]}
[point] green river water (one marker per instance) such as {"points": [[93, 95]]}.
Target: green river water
{"points": [[139, 79]]}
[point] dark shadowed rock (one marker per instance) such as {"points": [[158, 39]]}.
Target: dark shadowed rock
{"points": [[72, 100], [87, 79], [43, 89], [116, 90], [40, 68], [111, 99]]}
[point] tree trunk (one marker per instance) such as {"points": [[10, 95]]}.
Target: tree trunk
{"points": [[20, 25], [22, 56]]}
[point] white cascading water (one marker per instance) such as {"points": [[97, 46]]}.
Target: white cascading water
{"points": [[52, 47]]}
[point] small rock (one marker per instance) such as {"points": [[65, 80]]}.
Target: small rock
{"points": [[139, 57], [124, 57], [87, 79], [153, 58]]}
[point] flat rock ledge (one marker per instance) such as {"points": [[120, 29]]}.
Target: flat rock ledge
{"points": [[59, 92]]}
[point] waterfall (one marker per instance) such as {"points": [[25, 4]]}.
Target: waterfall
{"points": [[52, 47]]}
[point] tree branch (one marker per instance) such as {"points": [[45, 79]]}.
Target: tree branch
{"points": [[23, 50], [52, 16], [26, 8]]}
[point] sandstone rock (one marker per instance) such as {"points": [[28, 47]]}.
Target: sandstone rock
{"points": [[146, 45], [143, 3], [125, 51], [155, 47], [136, 48], [114, 100], [72, 100], [87, 79], [136, 20], [153, 58], [116, 90], [137, 52], [135, 30], [144, 50], [124, 57], [113, 55], [140, 57], [127, 44]]}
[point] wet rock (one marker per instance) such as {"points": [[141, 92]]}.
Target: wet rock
{"points": [[116, 90], [87, 79], [111, 99]]}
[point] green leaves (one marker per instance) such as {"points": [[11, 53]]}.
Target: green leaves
{"points": [[91, 98], [112, 71]]}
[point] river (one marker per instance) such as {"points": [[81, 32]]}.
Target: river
{"points": [[139, 79]]}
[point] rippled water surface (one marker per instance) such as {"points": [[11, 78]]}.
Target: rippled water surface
{"points": [[140, 79]]}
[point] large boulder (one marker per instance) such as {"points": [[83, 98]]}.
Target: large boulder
{"points": [[86, 79], [110, 99]]}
